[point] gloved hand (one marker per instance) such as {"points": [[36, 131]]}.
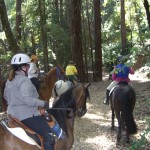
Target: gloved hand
{"points": [[46, 105]]}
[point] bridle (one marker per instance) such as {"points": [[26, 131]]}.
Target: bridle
{"points": [[58, 75], [81, 110]]}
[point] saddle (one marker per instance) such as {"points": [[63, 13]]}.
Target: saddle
{"points": [[32, 137]]}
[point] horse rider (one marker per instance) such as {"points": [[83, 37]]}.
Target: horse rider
{"points": [[120, 73], [23, 102], [71, 72], [34, 71]]}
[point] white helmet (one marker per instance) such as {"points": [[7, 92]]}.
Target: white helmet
{"points": [[20, 59]]}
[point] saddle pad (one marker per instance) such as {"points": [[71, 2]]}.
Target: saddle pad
{"points": [[61, 87], [112, 90], [20, 133]]}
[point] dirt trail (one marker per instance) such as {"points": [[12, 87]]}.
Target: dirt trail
{"points": [[92, 132]]}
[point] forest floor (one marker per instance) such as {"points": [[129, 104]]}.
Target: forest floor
{"points": [[93, 130]]}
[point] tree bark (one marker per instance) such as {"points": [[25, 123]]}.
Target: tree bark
{"points": [[75, 30], [43, 33], [18, 20], [90, 37], [123, 29], [6, 27], [98, 49], [146, 5]]}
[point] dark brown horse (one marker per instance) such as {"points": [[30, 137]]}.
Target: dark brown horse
{"points": [[122, 101], [45, 91], [70, 104]]}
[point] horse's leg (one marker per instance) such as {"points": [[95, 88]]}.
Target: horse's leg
{"points": [[127, 137], [112, 120], [122, 122], [119, 127], [70, 127]]}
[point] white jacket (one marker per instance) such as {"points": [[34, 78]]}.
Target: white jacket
{"points": [[33, 71]]}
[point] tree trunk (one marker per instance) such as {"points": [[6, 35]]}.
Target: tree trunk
{"points": [[146, 5], [18, 20], [56, 13], [84, 39], [98, 50], [90, 38], [6, 27], [75, 30], [138, 21], [43, 33], [33, 43], [123, 30]]}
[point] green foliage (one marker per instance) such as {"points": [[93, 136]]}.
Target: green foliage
{"points": [[136, 29], [58, 37], [5, 64], [142, 141]]}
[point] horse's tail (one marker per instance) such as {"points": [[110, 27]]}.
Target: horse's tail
{"points": [[127, 110]]}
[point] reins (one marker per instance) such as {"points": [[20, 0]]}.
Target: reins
{"points": [[62, 108]]}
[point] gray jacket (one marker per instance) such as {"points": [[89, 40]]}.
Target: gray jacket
{"points": [[22, 97]]}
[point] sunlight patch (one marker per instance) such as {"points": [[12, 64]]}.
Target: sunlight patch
{"points": [[93, 116], [99, 140]]}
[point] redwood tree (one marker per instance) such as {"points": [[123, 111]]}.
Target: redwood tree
{"points": [[146, 5], [6, 27], [123, 28], [43, 33], [98, 50], [75, 30], [18, 19]]}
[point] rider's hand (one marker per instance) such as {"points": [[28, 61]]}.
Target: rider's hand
{"points": [[42, 110]]}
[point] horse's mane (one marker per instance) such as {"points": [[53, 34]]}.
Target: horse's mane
{"points": [[123, 83], [65, 101]]}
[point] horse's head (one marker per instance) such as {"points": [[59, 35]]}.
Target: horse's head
{"points": [[81, 93], [57, 73], [70, 104]]}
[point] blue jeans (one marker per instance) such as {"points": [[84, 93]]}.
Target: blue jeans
{"points": [[39, 125]]}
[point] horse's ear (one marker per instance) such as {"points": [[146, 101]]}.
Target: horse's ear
{"points": [[87, 85]]}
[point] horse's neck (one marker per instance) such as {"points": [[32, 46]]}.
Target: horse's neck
{"points": [[49, 82], [70, 122]]}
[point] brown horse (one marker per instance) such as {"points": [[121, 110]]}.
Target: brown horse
{"points": [[45, 91], [72, 103], [122, 101]]}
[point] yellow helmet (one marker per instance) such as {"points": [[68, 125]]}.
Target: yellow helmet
{"points": [[34, 57]]}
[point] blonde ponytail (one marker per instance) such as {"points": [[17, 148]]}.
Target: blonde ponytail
{"points": [[11, 74]]}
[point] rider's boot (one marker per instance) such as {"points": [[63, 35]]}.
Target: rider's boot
{"points": [[48, 141], [106, 101]]}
